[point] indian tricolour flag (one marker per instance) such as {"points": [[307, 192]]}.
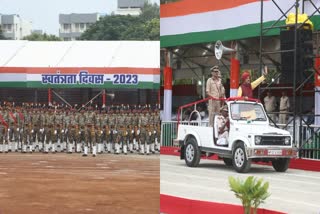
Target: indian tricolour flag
{"points": [[199, 21]]}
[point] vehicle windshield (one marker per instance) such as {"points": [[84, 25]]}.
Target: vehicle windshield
{"points": [[247, 111]]}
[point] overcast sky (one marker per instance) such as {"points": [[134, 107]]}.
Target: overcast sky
{"points": [[44, 14]]}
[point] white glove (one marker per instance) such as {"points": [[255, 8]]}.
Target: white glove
{"points": [[66, 130], [8, 130], [109, 132], [126, 132], [149, 133], [79, 132], [21, 130], [132, 131], [41, 130], [62, 131], [17, 129], [115, 132], [138, 132], [32, 131], [55, 131], [154, 132], [101, 132]]}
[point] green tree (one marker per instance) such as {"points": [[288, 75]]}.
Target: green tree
{"points": [[1, 34], [146, 26], [41, 37], [251, 192]]}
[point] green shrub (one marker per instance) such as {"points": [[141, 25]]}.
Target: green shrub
{"points": [[252, 192]]}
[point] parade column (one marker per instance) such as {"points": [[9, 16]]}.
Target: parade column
{"points": [[167, 101], [317, 91]]}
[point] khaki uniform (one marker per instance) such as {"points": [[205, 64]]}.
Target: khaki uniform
{"points": [[284, 109], [270, 105], [144, 136], [214, 88], [3, 129], [27, 132]]}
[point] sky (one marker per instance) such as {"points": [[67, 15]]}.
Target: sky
{"points": [[44, 14]]}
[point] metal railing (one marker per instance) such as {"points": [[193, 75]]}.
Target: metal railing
{"points": [[309, 143]]}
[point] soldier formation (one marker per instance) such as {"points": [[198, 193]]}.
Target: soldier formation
{"points": [[115, 129]]}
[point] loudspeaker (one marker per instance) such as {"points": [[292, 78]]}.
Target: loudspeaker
{"points": [[304, 54]]}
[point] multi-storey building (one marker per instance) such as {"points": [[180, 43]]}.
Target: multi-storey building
{"points": [[130, 7], [74, 24], [14, 27]]}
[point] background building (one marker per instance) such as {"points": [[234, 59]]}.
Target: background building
{"points": [[130, 7], [14, 27], [74, 24]]}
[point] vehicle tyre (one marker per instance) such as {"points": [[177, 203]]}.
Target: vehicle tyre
{"points": [[227, 161], [281, 164], [239, 159], [192, 152]]}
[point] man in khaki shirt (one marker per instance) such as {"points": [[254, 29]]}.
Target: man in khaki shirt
{"points": [[214, 88], [284, 108], [270, 105]]}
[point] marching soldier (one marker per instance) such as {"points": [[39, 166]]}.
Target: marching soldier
{"points": [[82, 132], [90, 134], [157, 140], [58, 132], [67, 129], [99, 131], [104, 124], [50, 130], [42, 124], [130, 137], [35, 129], [13, 125], [3, 129], [143, 131], [27, 131]]}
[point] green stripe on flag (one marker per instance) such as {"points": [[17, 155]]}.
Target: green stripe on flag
{"points": [[241, 32]]}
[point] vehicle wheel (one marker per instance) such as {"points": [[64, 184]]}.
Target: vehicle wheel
{"points": [[227, 161], [281, 164], [192, 153], [239, 159]]}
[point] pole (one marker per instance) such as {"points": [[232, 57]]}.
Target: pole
{"points": [[103, 98], [49, 97], [317, 93], [234, 77], [167, 102]]}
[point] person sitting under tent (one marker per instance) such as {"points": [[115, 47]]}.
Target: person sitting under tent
{"points": [[221, 127]]}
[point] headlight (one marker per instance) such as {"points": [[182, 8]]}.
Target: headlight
{"points": [[257, 139], [287, 140]]}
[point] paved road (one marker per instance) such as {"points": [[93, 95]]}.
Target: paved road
{"points": [[295, 191]]}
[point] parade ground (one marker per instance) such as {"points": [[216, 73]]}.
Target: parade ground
{"points": [[70, 183], [295, 191]]}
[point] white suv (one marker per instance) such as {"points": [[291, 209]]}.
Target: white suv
{"points": [[251, 138]]}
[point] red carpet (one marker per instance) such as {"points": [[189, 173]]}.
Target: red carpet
{"points": [[176, 205], [304, 164]]}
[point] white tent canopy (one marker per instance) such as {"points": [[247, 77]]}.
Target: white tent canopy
{"points": [[29, 60]]}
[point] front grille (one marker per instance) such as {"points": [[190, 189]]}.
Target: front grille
{"points": [[272, 140]]}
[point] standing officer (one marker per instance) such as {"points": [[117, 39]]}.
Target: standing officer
{"points": [[214, 88]]}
